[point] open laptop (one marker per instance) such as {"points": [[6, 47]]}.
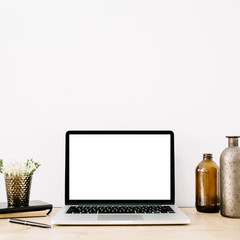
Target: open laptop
{"points": [[119, 177]]}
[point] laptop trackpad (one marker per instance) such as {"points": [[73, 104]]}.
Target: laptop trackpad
{"points": [[119, 217]]}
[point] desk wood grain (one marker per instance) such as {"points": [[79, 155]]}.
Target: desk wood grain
{"points": [[203, 226]]}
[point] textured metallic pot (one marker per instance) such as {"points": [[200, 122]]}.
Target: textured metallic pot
{"points": [[18, 190], [230, 179]]}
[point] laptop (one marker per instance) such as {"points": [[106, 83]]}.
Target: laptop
{"points": [[119, 178]]}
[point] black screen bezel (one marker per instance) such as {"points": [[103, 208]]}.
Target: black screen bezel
{"points": [[160, 201]]}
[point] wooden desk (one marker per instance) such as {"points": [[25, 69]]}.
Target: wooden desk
{"points": [[203, 226]]}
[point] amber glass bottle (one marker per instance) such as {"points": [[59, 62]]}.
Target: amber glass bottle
{"points": [[207, 185]]}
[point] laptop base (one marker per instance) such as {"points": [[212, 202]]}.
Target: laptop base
{"points": [[61, 218]]}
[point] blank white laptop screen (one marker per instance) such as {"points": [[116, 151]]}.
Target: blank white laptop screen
{"points": [[119, 167]]}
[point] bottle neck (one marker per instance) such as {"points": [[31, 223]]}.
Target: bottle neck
{"points": [[233, 142], [207, 157]]}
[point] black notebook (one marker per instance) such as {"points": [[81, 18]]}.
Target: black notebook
{"points": [[36, 208]]}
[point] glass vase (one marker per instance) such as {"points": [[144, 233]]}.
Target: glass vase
{"points": [[207, 185], [230, 179]]}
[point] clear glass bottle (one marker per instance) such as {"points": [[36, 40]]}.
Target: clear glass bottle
{"points": [[207, 185]]}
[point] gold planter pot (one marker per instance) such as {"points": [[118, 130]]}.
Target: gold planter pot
{"points": [[18, 190]]}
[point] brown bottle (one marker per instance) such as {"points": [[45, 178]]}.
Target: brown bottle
{"points": [[207, 185]]}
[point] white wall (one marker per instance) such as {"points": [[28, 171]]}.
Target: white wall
{"points": [[117, 64]]}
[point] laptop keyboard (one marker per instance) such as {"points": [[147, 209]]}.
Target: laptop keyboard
{"points": [[118, 209]]}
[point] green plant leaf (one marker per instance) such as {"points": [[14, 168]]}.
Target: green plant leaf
{"points": [[1, 165]]}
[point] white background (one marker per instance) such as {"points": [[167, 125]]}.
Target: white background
{"points": [[117, 64], [114, 167]]}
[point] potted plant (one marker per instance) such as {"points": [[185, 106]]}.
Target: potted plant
{"points": [[18, 179]]}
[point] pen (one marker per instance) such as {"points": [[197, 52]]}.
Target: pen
{"points": [[35, 224]]}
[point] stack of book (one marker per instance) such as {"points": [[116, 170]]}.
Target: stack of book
{"points": [[35, 208]]}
